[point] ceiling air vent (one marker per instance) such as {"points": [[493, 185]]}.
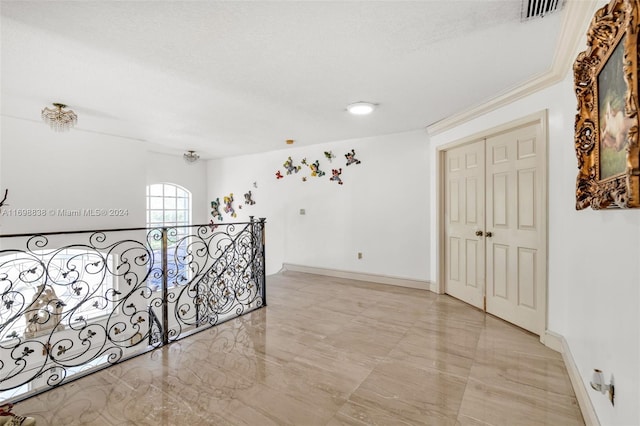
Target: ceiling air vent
{"points": [[539, 8]]}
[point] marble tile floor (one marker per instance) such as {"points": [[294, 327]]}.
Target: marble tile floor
{"points": [[330, 351]]}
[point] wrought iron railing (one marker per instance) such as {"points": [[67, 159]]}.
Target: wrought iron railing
{"points": [[76, 302]]}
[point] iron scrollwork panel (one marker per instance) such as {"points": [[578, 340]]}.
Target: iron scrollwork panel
{"points": [[71, 303], [70, 307], [220, 283]]}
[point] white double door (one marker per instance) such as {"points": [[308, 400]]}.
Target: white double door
{"points": [[495, 219]]}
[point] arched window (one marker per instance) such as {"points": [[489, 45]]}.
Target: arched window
{"points": [[169, 205]]}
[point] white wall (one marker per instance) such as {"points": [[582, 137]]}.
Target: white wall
{"points": [[593, 258], [381, 209], [49, 171], [54, 172]]}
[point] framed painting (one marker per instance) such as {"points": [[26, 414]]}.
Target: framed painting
{"points": [[606, 126]]}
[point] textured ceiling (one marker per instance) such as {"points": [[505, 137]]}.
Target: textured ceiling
{"points": [[229, 78]]}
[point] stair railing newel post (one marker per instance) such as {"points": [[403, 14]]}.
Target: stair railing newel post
{"points": [[263, 278], [254, 251], [165, 288]]}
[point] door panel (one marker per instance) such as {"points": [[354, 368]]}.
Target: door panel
{"points": [[464, 215], [471, 201], [499, 185], [527, 278], [472, 251], [501, 192], [454, 201], [526, 199], [454, 259], [500, 270], [515, 273]]}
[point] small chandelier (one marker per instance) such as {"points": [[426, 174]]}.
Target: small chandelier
{"points": [[58, 119], [191, 157]]}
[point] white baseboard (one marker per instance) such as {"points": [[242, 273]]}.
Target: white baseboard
{"points": [[552, 340], [375, 278], [559, 343]]}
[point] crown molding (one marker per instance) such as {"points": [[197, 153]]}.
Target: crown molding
{"points": [[576, 19]]}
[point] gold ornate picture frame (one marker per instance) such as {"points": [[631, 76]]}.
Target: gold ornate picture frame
{"points": [[606, 126]]}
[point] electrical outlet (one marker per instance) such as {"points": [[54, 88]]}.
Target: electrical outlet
{"points": [[359, 255]]}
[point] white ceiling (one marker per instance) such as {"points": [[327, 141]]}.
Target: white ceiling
{"points": [[229, 78]]}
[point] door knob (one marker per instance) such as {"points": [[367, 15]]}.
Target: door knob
{"points": [[478, 233], [489, 234]]}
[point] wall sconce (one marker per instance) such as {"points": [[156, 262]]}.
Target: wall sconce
{"points": [[597, 383], [191, 157]]}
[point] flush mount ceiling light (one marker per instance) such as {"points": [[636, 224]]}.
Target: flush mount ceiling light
{"points": [[191, 157], [361, 108], [58, 119]]}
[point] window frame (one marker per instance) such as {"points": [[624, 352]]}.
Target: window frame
{"points": [[170, 192], [174, 199]]}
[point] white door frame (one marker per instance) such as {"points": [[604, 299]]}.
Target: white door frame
{"points": [[540, 118]]}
